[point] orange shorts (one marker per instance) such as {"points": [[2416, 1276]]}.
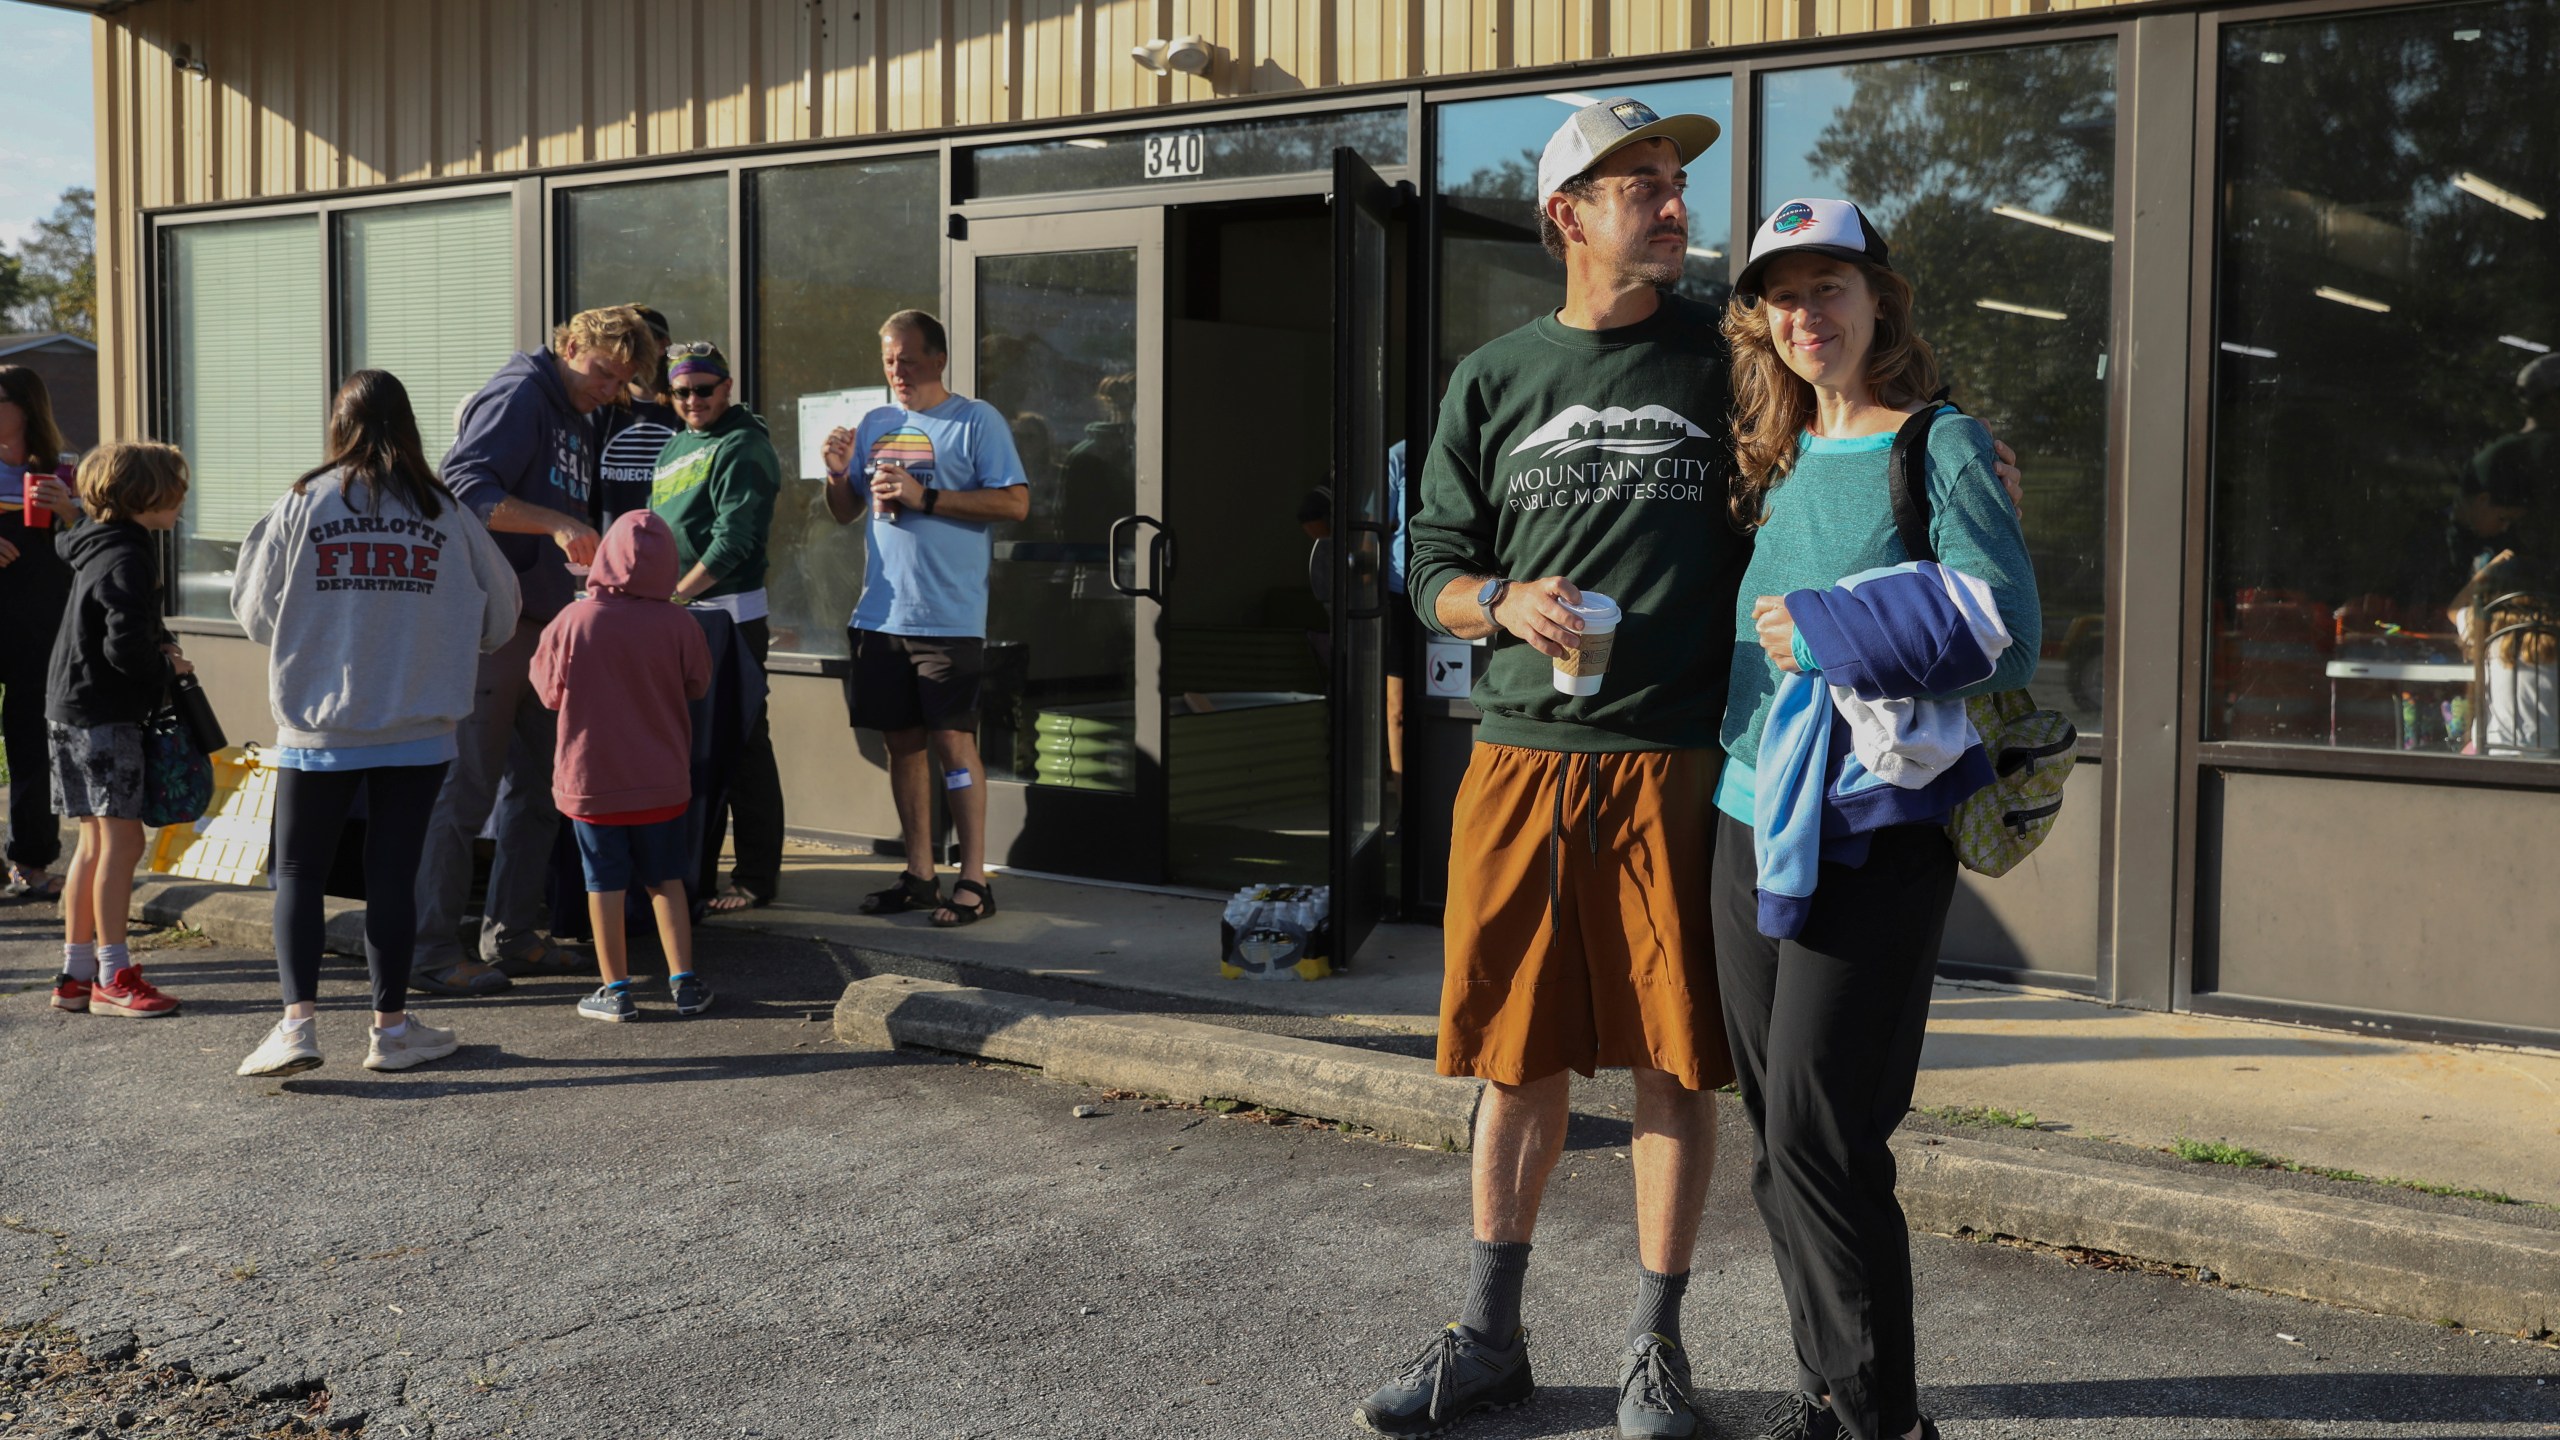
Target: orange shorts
{"points": [[1577, 930]]}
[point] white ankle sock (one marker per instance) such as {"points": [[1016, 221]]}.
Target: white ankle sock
{"points": [[292, 1024], [112, 959], [80, 961], [393, 1032]]}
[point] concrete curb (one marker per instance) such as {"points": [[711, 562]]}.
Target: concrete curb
{"points": [[237, 914], [2384, 1258], [1396, 1095], [2390, 1259]]}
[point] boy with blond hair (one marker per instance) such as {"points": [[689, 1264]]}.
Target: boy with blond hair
{"points": [[112, 666]]}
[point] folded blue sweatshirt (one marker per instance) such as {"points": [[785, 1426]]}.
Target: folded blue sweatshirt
{"points": [[1896, 634]]}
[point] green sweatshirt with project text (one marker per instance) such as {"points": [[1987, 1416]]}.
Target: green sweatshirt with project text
{"points": [[715, 488], [1602, 456]]}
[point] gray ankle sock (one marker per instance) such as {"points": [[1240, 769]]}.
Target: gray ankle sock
{"points": [[1658, 1306], [1493, 1290]]}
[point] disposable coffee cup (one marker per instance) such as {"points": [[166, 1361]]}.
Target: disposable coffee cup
{"points": [[1580, 670]]}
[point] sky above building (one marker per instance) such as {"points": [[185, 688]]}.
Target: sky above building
{"points": [[48, 140]]}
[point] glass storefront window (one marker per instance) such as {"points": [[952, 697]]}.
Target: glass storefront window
{"points": [[653, 242], [429, 294], [248, 384], [1992, 175], [1495, 275], [2386, 455], [1232, 150], [838, 249]]}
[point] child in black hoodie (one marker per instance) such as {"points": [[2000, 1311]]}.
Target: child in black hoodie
{"points": [[112, 664]]}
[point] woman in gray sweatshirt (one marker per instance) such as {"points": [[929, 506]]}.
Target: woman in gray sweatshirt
{"points": [[377, 593]]}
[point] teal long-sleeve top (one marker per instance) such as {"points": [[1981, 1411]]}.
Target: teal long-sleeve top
{"points": [[1832, 517]]}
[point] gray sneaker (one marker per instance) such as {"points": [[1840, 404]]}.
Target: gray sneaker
{"points": [[416, 1045], [609, 1003], [1454, 1376], [691, 995], [1653, 1392], [287, 1050]]}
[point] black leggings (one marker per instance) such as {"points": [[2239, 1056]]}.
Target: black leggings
{"points": [[311, 811], [1826, 1031]]}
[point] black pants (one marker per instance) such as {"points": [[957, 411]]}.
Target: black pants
{"points": [[755, 799], [311, 811], [34, 588], [1826, 1032]]}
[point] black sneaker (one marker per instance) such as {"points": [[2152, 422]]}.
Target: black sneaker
{"points": [[1802, 1417], [1653, 1392], [1455, 1376]]}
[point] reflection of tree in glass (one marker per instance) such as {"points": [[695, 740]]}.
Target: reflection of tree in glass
{"points": [[2341, 430], [1927, 147]]}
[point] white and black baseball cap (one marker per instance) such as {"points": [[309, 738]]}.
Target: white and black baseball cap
{"points": [[1604, 127], [1817, 227]]}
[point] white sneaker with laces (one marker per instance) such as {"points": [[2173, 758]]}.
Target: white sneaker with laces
{"points": [[415, 1045], [287, 1050]]}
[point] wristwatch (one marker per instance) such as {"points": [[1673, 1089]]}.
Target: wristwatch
{"points": [[1490, 596], [930, 495]]}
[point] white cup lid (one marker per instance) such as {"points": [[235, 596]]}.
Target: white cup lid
{"points": [[1595, 608]]}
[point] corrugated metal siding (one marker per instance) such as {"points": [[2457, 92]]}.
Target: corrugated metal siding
{"points": [[317, 95]]}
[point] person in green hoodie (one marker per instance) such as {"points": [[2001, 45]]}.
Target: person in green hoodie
{"points": [[715, 487]]}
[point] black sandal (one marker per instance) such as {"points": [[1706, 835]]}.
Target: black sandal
{"points": [[912, 892], [970, 915]]}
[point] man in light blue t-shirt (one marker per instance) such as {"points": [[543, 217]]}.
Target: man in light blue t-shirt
{"points": [[936, 470]]}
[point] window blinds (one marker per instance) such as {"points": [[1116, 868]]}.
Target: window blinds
{"points": [[245, 347], [430, 297]]}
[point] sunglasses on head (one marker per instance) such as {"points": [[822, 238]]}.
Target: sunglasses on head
{"points": [[696, 392], [686, 348]]}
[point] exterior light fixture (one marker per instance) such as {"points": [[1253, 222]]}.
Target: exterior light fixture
{"points": [[2521, 343], [2346, 297], [1189, 55], [2085, 232], [186, 58], [2503, 198], [2252, 351], [1151, 55], [2032, 312], [1568, 97]]}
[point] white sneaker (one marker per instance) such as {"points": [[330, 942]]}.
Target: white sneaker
{"points": [[416, 1045], [287, 1050]]}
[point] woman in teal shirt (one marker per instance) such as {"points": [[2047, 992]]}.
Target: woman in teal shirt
{"points": [[1826, 1026]]}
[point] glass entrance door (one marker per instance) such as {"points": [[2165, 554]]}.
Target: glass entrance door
{"points": [[1363, 211], [1057, 323]]}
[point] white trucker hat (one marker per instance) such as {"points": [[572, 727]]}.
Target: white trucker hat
{"points": [[1604, 127], [1819, 227]]}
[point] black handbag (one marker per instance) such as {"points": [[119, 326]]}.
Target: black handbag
{"points": [[188, 699]]}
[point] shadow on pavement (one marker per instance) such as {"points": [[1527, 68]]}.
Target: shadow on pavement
{"points": [[2370, 1396], [434, 1082]]}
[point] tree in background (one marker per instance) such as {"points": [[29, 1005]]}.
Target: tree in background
{"points": [[51, 284]]}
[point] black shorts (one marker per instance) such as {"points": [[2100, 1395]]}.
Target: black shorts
{"points": [[913, 682]]}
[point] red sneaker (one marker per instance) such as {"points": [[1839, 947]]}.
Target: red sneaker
{"points": [[70, 994], [130, 996]]}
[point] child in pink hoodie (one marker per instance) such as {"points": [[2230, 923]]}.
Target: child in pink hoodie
{"points": [[620, 666]]}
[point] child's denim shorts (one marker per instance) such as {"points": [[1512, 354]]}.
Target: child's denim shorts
{"points": [[622, 857]]}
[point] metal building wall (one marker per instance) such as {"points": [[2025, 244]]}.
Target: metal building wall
{"points": [[287, 97]]}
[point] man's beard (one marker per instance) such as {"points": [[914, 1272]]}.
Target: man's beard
{"points": [[1661, 274]]}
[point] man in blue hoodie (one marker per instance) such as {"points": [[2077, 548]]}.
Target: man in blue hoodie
{"points": [[525, 463]]}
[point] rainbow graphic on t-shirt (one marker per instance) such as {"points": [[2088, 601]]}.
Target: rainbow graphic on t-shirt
{"points": [[907, 446]]}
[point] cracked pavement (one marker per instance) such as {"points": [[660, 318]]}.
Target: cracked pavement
{"points": [[734, 1226]]}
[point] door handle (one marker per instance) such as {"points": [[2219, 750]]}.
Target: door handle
{"points": [[1159, 558]]}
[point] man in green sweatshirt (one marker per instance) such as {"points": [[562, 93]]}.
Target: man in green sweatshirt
{"points": [[715, 485], [1586, 452]]}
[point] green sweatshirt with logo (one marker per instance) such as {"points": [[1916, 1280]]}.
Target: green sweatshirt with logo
{"points": [[1603, 456], [715, 489]]}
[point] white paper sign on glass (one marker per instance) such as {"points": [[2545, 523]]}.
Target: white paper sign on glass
{"points": [[824, 410]]}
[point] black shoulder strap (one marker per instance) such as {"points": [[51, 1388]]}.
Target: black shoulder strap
{"points": [[1907, 479]]}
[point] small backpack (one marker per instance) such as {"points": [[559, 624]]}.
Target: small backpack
{"points": [[2031, 750]]}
